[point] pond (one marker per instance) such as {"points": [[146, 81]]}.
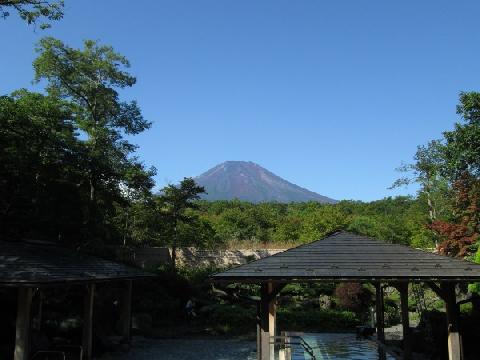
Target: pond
{"points": [[328, 346]]}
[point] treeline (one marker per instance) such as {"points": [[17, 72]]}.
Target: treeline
{"points": [[242, 224]]}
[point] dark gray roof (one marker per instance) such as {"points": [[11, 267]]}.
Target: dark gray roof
{"points": [[344, 256], [24, 264]]}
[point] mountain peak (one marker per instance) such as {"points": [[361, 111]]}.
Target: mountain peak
{"points": [[248, 181]]}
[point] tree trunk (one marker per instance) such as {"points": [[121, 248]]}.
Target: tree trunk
{"points": [[432, 211], [174, 246], [92, 189]]}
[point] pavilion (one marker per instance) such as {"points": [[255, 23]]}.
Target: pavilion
{"points": [[31, 268], [347, 257]]}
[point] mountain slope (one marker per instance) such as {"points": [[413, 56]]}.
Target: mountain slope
{"points": [[250, 182]]}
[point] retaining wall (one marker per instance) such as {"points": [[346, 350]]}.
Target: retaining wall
{"points": [[157, 256]]}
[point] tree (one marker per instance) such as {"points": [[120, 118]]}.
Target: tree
{"points": [[448, 171], [462, 168], [426, 171], [33, 10], [176, 201], [89, 79], [41, 168], [462, 231], [462, 148], [352, 296]]}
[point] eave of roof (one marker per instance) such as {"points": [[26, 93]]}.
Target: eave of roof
{"points": [[24, 265], [344, 256]]}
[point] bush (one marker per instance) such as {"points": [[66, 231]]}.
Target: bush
{"points": [[353, 296], [290, 319], [230, 319], [392, 313]]}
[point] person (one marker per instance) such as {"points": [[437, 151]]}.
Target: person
{"points": [[190, 309]]}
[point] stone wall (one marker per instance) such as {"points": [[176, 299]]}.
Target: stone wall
{"points": [[156, 256], [221, 258]]}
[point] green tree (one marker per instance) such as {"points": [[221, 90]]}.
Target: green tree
{"points": [[175, 202], [89, 79], [462, 168], [41, 168], [322, 221], [462, 145], [33, 10], [426, 171], [448, 171]]}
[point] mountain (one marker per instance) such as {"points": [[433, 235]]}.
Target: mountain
{"points": [[250, 182]]}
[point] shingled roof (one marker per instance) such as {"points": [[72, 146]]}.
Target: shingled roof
{"points": [[344, 256], [23, 264]]}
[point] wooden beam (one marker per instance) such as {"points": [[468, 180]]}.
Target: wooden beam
{"points": [[87, 336], [267, 320], [274, 290], [379, 312], [22, 334], [126, 312], [453, 321], [407, 339], [437, 290]]}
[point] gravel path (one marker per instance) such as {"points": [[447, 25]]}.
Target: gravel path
{"points": [[187, 349]]}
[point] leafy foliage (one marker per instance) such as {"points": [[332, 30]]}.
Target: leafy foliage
{"points": [[175, 202], [399, 220], [66, 169], [354, 297], [41, 167], [34, 10], [88, 79], [448, 171]]}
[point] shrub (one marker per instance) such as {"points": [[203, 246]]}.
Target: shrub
{"points": [[298, 319], [354, 297], [231, 319]]}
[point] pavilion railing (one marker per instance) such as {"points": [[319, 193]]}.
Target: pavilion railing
{"points": [[287, 341]]}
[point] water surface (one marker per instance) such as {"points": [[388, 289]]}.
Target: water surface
{"points": [[339, 347]]}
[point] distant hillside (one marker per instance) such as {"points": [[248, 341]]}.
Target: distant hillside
{"points": [[250, 182]]}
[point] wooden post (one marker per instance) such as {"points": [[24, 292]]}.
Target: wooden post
{"points": [[40, 310], [407, 339], [22, 335], [87, 337], [267, 320], [264, 323], [126, 312], [453, 319], [379, 313], [37, 305], [259, 335], [272, 320]]}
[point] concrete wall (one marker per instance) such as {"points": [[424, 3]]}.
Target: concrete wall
{"points": [[155, 256]]}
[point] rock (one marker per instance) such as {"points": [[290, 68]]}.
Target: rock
{"points": [[325, 302]]}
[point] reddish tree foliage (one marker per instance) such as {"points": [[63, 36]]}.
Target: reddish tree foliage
{"points": [[353, 296], [458, 236]]}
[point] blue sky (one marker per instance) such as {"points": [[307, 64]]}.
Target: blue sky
{"points": [[330, 95]]}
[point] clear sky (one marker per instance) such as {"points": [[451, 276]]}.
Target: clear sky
{"points": [[330, 95]]}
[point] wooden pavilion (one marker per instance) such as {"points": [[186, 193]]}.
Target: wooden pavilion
{"points": [[347, 257], [30, 268]]}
